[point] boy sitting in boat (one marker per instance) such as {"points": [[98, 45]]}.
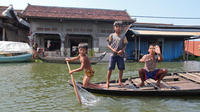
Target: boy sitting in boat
{"points": [[85, 65], [149, 70], [117, 44]]}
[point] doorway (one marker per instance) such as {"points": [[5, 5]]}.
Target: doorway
{"points": [[74, 40], [158, 42]]}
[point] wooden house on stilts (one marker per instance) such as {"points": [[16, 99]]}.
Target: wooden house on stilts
{"points": [[59, 30], [12, 26]]}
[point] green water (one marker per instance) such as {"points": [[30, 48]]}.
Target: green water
{"points": [[30, 87]]}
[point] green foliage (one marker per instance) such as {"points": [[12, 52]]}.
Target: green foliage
{"points": [[198, 58], [90, 52], [192, 57], [38, 61]]}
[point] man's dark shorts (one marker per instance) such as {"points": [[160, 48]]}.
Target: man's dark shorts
{"points": [[116, 59], [154, 75]]}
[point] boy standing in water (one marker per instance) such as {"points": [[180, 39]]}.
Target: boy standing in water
{"points": [[85, 65], [149, 70], [117, 44]]}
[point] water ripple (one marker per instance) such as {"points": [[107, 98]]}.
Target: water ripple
{"points": [[44, 87]]}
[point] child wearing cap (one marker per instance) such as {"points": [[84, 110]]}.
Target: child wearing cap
{"points": [[85, 65], [117, 44]]}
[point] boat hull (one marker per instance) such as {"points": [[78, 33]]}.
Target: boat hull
{"points": [[18, 58], [174, 84], [146, 93]]}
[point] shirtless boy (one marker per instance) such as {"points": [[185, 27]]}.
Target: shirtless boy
{"points": [[85, 65]]}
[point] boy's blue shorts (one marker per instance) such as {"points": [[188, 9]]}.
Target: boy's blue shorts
{"points": [[154, 75], [116, 59]]}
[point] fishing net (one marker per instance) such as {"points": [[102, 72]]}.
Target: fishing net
{"points": [[86, 97]]}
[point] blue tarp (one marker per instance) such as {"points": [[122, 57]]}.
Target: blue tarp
{"points": [[173, 49], [131, 48]]}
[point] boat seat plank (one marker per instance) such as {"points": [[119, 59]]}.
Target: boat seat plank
{"points": [[136, 81], [185, 86], [171, 78], [197, 74], [152, 83], [178, 82], [129, 84], [164, 86], [189, 77], [194, 75]]}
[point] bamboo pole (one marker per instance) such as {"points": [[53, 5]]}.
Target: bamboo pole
{"points": [[74, 84]]}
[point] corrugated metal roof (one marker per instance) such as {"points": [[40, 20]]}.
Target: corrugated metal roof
{"points": [[165, 30]]}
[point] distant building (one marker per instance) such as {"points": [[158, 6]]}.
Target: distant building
{"points": [[169, 37], [11, 26], [59, 30], [192, 47]]}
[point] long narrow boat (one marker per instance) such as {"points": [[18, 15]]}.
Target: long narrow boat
{"points": [[174, 84], [14, 52], [93, 60], [17, 58]]}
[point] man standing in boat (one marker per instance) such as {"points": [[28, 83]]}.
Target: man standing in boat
{"points": [[117, 44], [149, 70]]}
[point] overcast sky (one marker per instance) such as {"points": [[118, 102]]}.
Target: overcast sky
{"points": [[158, 8]]}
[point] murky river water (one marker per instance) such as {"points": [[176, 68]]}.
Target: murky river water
{"points": [[27, 87]]}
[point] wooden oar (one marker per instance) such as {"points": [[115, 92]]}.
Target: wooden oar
{"points": [[74, 84]]}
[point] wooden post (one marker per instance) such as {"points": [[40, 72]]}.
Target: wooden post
{"points": [[138, 50], [184, 49], [4, 34], [187, 49], [135, 47]]}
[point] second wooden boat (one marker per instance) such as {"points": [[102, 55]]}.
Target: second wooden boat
{"points": [[14, 52], [93, 60]]}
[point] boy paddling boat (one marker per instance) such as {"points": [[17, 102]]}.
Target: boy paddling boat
{"points": [[85, 65]]}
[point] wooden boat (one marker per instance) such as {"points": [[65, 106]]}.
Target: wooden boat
{"points": [[93, 60], [14, 52], [174, 84], [17, 58]]}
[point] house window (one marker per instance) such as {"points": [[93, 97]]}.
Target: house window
{"points": [[39, 29], [54, 29], [69, 30], [76, 30], [89, 30]]}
